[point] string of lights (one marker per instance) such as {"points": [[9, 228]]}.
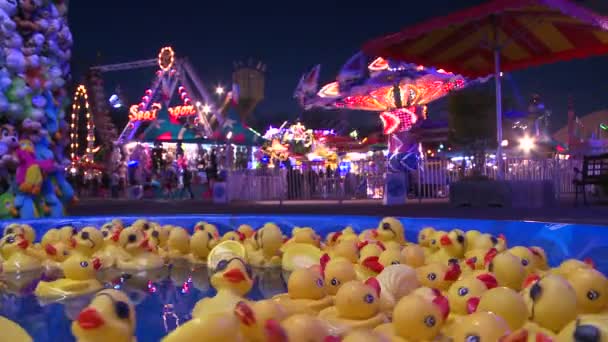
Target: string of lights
{"points": [[80, 103]]}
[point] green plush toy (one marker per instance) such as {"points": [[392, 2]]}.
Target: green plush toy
{"points": [[7, 206]]}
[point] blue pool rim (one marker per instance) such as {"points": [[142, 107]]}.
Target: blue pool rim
{"points": [[560, 240]]}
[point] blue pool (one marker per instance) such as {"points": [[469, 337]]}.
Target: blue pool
{"points": [[165, 298]]}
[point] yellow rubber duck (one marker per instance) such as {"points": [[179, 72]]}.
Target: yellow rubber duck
{"points": [[15, 257], [56, 251], [265, 250], [585, 328], [109, 317], [201, 243], [208, 227], [570, 265], [415, 318], [246, 230], [551, 302], [540, 258], [233, 235], [304, 235], [111, 251], [391, 257], [591, 288], [178, 244], [260, 321], [413, 255], [347, 234], [132, 240], [306, 293], [480, 326], [474, 260], [487, 241], [88, 241], [369, 259], [11, 331], [364, 335], [336, 271], [396, 281], [434, 243], [79, 272], [216, 327], [300, 328], [507, 268], [526, 258], [357, 306], [66, 234], [21, 229], [451, 246], [438, 276], [469, 238], [391, 229], [507, 304], [425, 236], [345, 249], [158, 238], [232, 278], [464, 293]]}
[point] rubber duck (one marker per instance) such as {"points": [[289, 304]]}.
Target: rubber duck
{"points": [[246, 230], [396, 281], [469, 238], [178, 244], [336, 271], [298, 328], [300, 255], [266, 251], [201, 244], [365, 336], [14, 255], [304, 235], [526, 258], [474, 260], [369, 256], [585, 328], [233, 235], [480, 326], [109, 317], [260, 321], [507, 268], [139, 257], [416, 318], [540, 258], [111, 251], [391, 229], [438, 276], [232, 278], [11, 331], [591, 289], [348, 234], [67, 233], [413, 255], [306, 293], [425, 236], [464, 293], [551, 302], [21, 229], [347, 249], [79, 272], [216, 327], [434, 243], [507, 304], [56, 251], [487, 241], [158, 238], [208, 227], [451, 247], [368, 235], [357, 306], [88, 241], [391, 257], [570, 265]]}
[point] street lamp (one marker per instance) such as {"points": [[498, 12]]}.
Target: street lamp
{"points": [[527, 143], [219, 90]]}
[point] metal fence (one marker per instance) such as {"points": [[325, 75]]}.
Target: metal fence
{"points": [[432, 180]]}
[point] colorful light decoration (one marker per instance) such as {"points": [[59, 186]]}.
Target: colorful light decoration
{"points": [[135, 114], [298, 133], [379, 64], [81, 95], [604, 126], [330, 90], [166, 58]]}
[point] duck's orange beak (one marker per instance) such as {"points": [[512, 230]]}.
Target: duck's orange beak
{"points": [[23, 244], [472, 304], [50, 249], [445, 240], [90, 318], [96, 264], [244, 313], [234, 275]]}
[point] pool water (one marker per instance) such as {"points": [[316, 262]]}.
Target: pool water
{"points": [[165, 298]]}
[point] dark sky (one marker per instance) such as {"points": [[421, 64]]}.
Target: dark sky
{"points": [[290, 37]]}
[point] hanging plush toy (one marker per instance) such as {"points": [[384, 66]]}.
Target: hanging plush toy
{"points": [[7, 206]]}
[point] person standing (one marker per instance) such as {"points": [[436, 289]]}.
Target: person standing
{"points": [[187, 180], [114, 183]]}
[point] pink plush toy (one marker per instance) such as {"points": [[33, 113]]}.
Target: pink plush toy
{"points": [[29, 172]]}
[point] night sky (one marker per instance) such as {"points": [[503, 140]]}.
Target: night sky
{"points": [[290, 37]]}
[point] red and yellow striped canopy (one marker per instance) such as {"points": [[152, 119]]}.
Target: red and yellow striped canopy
{"points": [[526, 32]]}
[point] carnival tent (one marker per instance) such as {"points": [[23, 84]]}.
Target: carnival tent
{"points": [[499, 36]]}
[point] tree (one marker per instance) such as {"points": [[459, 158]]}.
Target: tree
{"points": [[472, 122]]}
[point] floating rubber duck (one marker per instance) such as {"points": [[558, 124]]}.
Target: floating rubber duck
{"points": [[233, 235], [438, 276], [300, 255], [88, 241], [487, 241], [365, 336], [111, 251], [434, 243], [591, 288], [298, 328], [480, 326], [178, 244], [306, 293], [201, 244], [133, 241], [425, 236], [369, 256], [158, 238], [396, 281], [357, 306], [469, 238], [208, 227], [391, 257], [507, 304], [267, 243], [216, 327], [347, 234], [109, 317], [79, 272], [56, 251], [464, 294], [336, 272], [246, 230], [11, 331], [585, 328], [526, 258], [304, 235], [540, 258], [551, 302], [413, 255], [507, 268], [451, 247], [391, 229], [474, 260], [570, 265], [347, 249], [260, 320], [21, 229], [416, 318], [14, 255], [232, 278]]}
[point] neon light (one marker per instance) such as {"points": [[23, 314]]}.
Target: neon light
{"points": [[166, 58], [379, 64], [604, 127], [398, 120], [144, 115], [182, 111], [390, 122], [330, 90]]}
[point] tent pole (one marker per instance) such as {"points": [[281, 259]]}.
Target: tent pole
{"points": [[498, 82]]}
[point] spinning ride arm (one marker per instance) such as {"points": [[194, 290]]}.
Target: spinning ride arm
{"points": [[201, 89], [145, 63]]}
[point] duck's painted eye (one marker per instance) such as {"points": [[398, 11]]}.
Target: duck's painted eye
{"points": [[422, 237], [386, 226], [472, 338], [320, 282], [430, 321], [368, 298], [105, 233], [463, 291], [525, 262], [335, 282], [209, 236], [84, 235], [593, 295], [84, 264], [494, 240], [491, 267], [155, 233], [132, 238], [10, 239], [433, 242], [221, 265], [8, 231], [431, 276], [460, 239], [146, 226], [74, 231], [122, 310], [395, 262]]}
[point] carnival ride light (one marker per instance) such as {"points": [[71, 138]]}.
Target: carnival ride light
{"points": [[219, 90], [206, 109], [504, 143], [527, 143], [166, 58]]}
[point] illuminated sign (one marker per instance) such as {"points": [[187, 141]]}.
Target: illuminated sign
{"points": [[144, 115], [182, 111]]}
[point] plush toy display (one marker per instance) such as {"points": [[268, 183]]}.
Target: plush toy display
{"points": [[35, 51]]}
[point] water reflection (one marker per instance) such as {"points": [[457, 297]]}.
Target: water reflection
{"points": [[164, 299]]}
